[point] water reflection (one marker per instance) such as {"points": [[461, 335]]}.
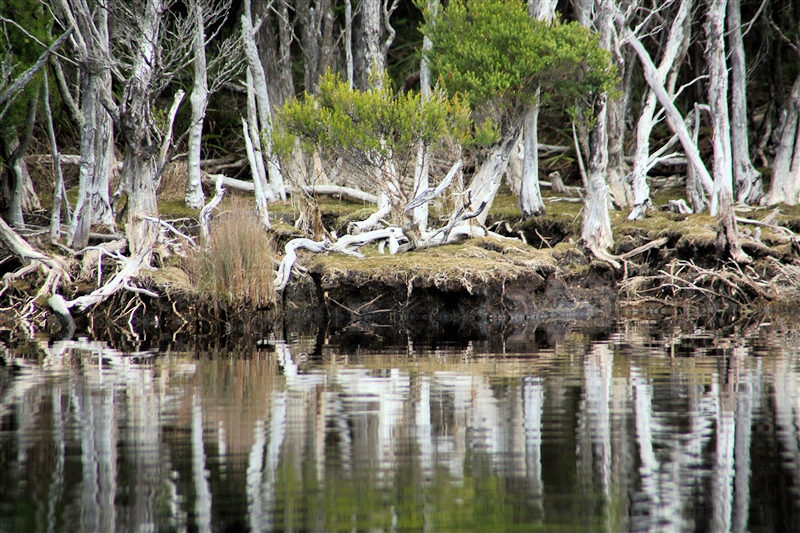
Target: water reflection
{"points": [[588, 432]]}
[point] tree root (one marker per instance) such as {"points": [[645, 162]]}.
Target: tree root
{"points": [[733, 284]]}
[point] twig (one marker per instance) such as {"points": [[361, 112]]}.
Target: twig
{"points": [[172, 228]]}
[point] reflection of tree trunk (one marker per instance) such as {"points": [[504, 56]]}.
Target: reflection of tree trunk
{"points": [[745, 406], [202, 502], [649, 466], [594, 427], [422, 426], [533, 403], [723, 473]]}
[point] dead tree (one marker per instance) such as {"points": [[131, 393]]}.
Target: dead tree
{"points": [[746, 179], [222, 68], [674, 48], [727, 236], [258, 94]]}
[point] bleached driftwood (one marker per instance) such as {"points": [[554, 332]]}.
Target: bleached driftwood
{"points": [[290, 257], [120, 280]]}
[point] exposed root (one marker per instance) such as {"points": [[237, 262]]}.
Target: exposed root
{"points": [[731, 284]]}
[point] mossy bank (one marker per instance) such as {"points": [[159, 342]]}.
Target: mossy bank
{"points": [[538, 273]]}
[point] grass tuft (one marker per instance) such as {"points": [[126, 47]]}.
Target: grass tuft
{"points": [[235, 266]]}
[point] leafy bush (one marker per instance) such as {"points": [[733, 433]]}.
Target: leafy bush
{"points": [[492, 52]]}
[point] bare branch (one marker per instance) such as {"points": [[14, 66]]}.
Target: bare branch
{"points": [[26, 76]]}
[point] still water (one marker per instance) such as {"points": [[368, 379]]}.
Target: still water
{"points": [[633, 426]]}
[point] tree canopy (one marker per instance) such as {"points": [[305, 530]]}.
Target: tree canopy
{"points": [[492, 52]]}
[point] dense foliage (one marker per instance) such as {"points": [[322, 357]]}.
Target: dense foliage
{"points": [[368, 128], [20, 47], [493, 52]]}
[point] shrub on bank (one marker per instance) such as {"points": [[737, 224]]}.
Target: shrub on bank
{"points": [[235, 266]]}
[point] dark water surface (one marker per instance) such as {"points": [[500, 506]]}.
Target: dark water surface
{"points": [[636, 426]]}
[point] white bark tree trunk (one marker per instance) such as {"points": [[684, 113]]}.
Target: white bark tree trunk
{"points": [[695, 191], [596, 228], [91, 40], [486, 181], [58, 196], [722, 199], [141, 148], [674, 48], [93, 205], [746, 178], [785, 186], [675, 118], [422, 171], [348, 41], [531, 203], [194, 196], [616, 172], [20, 187], [79, 231], [259, 82]]}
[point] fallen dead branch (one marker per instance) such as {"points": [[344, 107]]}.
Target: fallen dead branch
{"points": [[325, 190]]}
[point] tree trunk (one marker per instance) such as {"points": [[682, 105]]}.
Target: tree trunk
{"points": [[194, 196], [530, 195], [486, 181], [79, 231], [695, 191], [348, 42], [422, 171], [308, 19], [674, 48], [785, 186], [675, 120], [596, 227], [616, 169], [274, 41], [19, 193], [58, 189], [259, 82], [722, 200], [141, 147], [369, 62], [746, 178]]}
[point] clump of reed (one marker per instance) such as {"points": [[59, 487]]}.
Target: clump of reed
{"points": [[234, 266]]}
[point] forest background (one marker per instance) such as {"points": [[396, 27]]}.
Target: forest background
{"points": [[404, 105]]}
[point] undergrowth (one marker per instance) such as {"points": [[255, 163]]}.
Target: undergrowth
{"points": [[235, 265]]}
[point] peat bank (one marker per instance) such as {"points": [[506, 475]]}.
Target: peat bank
{"points": [[666, 264]]}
